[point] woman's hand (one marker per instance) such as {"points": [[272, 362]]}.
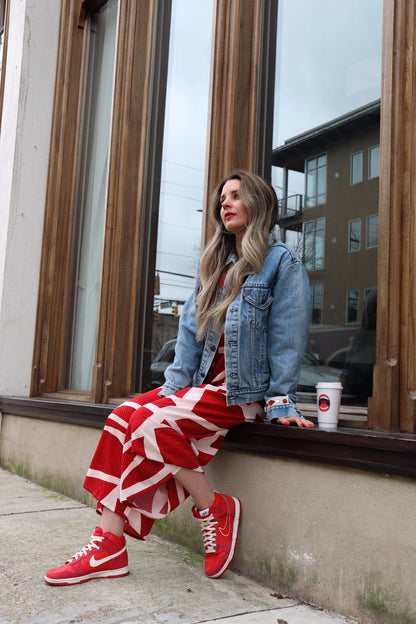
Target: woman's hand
{"points": [[298, 420]]}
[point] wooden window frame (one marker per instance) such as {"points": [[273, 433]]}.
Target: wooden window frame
{"points": [[392, 406]]}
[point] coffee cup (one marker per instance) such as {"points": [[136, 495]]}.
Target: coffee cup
{"points": [[328, 397]]}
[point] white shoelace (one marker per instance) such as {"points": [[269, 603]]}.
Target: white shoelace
{"points": [[89, 547], [209, 533]]}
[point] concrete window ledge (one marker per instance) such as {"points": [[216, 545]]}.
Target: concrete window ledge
{"points": [[374, 451]]}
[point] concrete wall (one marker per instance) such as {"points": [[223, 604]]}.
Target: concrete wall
{"points": [[343, 539], [24, 157]]}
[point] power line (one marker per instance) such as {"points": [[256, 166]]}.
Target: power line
{"points": [[182, 196], [201, 188], [172, 273], [172, 162]]}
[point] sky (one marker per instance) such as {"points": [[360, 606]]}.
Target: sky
{"points": [[328, 62], [183, 160]]}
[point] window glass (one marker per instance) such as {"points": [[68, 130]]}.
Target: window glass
{"points": [[372, 231], [374, 162], [326, 133], [182, 179], [315, 181], [354, 235], [352, 306], [356, 168], [317, 293], [91, 197], [314, 244], [321, 181]]}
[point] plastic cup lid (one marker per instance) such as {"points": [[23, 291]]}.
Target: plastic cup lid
{"points": [[329, 384]]}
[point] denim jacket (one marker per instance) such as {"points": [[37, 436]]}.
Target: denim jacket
{"points": [[265, 334]]}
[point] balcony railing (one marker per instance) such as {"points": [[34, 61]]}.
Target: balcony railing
{"points": [[290, 213]]}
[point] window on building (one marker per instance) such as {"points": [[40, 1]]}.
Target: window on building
{"points": [[314, 244], [354, 235], [374, 162], [372, 231], [352, 307], [315, 169], [356, 168], [370, 311], [317, 303]]}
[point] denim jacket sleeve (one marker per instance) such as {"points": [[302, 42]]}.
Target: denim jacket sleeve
{"points": [[187, 352], [288, 330]]}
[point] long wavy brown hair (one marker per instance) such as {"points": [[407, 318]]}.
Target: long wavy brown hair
{"points": [[260, 201]]}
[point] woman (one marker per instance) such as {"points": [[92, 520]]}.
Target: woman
{"points": [[241, 338]]}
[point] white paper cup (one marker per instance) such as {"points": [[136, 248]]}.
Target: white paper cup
{"points": [[328, 397]]}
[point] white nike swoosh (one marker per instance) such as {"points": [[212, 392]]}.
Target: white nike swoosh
{"points": [[94, 563], [225, 530]]}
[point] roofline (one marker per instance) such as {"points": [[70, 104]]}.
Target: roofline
{"points": [[293, 152]]}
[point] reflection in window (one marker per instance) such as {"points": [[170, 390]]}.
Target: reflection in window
{"points": [[374, 162], [357, 167], [91, 197], [315, 181], [354, 235], [317, 300], [352, 306], [372, 231], [327, 128], [183, 165], [314, 244]]}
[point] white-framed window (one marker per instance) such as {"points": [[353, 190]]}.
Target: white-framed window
{"points": [[317, 303], [354, 235], [374, 162], [372, 231], [356, 168], [352, 307], [315, 170], [314, 244]]}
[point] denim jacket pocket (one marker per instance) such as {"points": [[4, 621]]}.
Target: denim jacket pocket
{"points": [[258, 301]]}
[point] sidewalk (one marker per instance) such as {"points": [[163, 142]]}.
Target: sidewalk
{"points": [[166, 584]]}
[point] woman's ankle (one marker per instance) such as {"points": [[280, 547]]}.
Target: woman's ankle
{"points": [[112, 522]]}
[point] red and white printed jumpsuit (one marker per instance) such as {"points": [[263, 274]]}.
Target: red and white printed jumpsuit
{"points": [[148, 439]]}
